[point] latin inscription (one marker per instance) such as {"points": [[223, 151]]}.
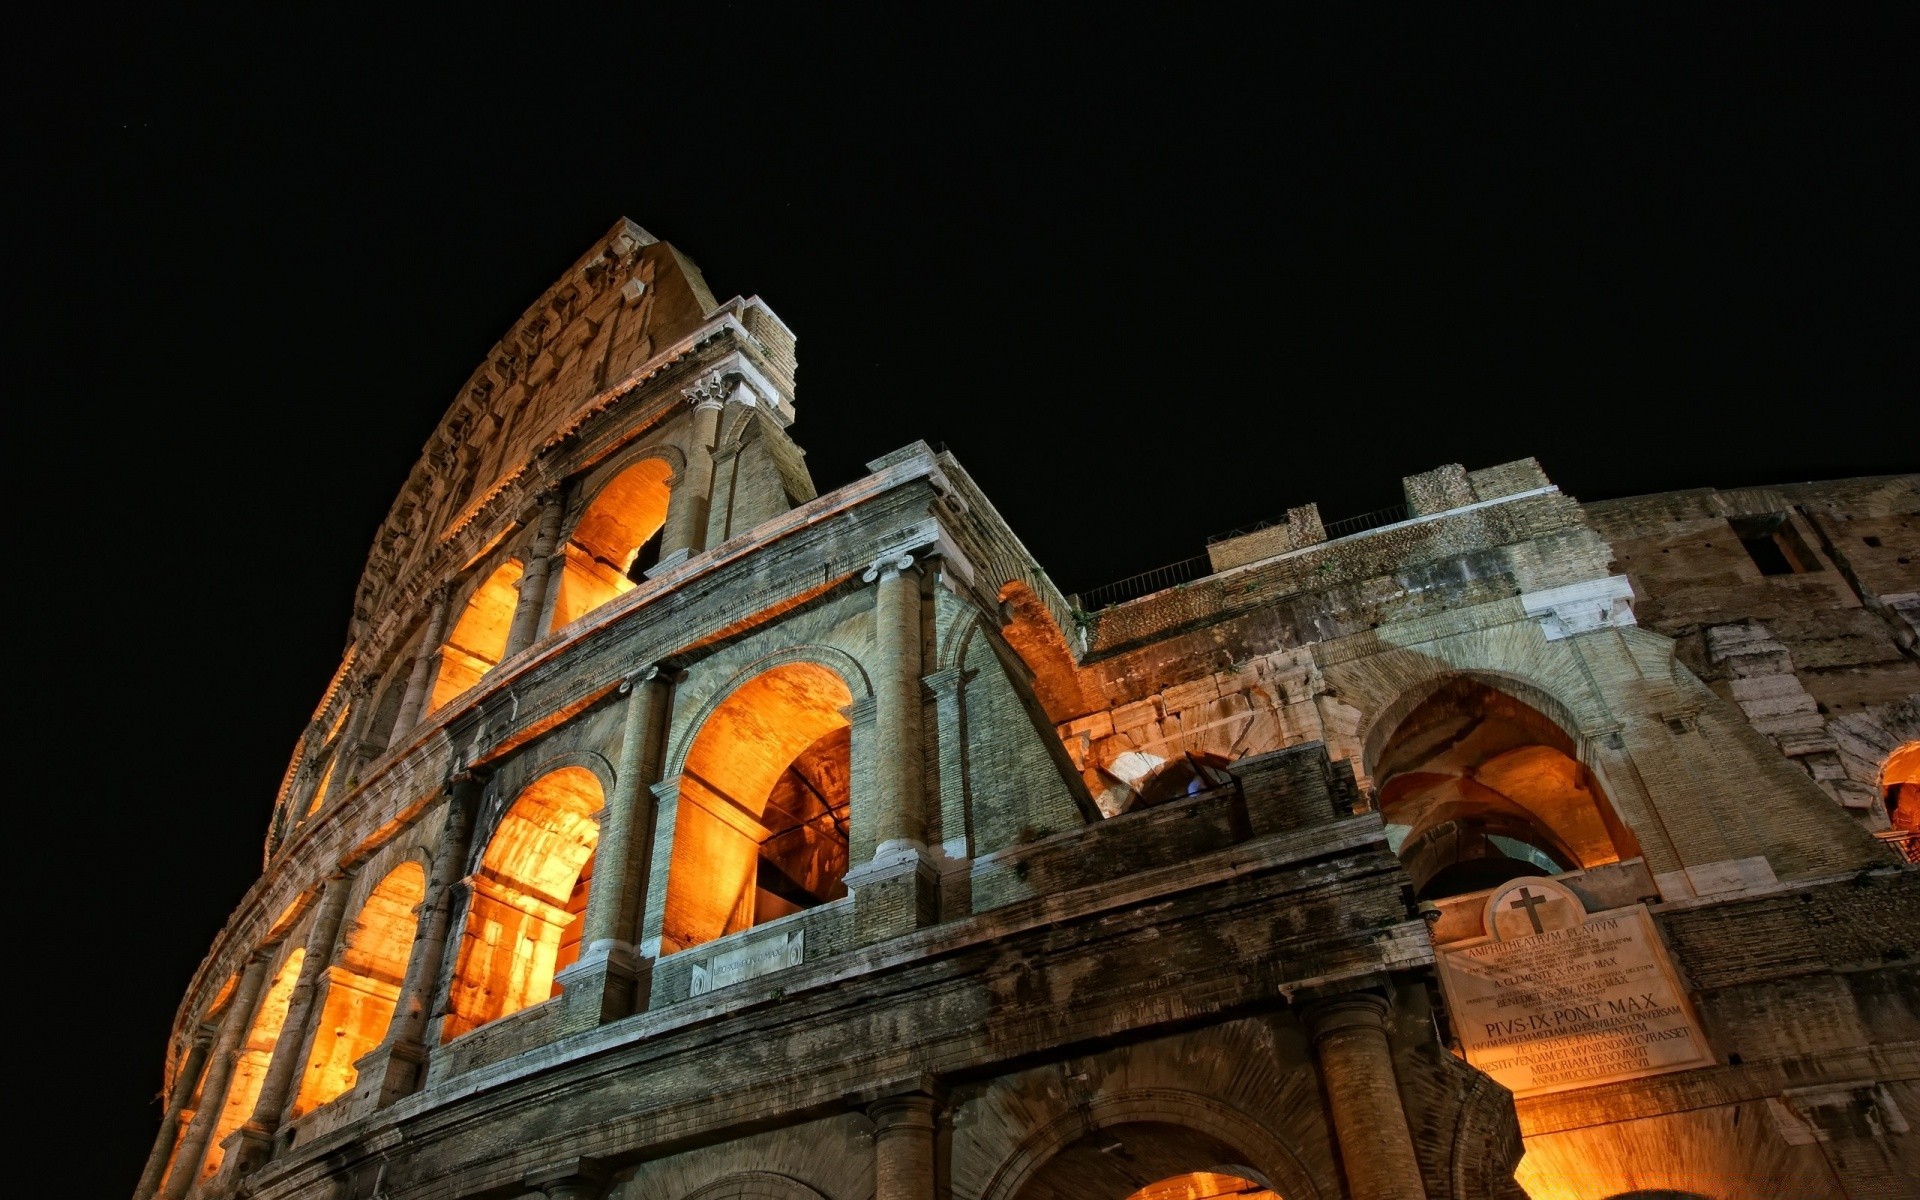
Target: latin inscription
{"points": [[1590, 1003], [761, 956]]}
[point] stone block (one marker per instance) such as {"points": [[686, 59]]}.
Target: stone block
{"points": [[1437, 490]]}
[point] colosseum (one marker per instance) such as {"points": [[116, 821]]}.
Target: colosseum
{"points": [[671, 830]]}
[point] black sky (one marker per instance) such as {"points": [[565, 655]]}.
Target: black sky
{"points": [[1151, 275]]}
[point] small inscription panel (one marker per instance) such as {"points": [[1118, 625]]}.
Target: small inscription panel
{"points": [[760, 956], [1593, 1001]]}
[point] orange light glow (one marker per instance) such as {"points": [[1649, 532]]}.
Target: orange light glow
{"points": [[320, 789], [608, 540], [1203, 1185], [761, 829], [1473, 778], [250, 1068], [529, 881], [479, 639], [1900, 785], [363, 987]]}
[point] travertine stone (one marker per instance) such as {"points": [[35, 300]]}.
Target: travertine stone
{"points": [[903, 1128], [185, 1171], [1356, 1066]]}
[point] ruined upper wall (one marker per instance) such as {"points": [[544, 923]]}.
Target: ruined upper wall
{"points": [[626, 299]]}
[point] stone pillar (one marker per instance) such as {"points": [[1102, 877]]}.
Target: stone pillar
{"points": [[184, 1081], [899, 823], [525, 630], [903, 1162], [1356, 1069], [687, 508], [252, 1143], [220, 1063], [601, 986], [899, 889], [420, 678], [395, 1068]]}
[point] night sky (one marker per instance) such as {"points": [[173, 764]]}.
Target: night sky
{"points": [[1149, 278]]}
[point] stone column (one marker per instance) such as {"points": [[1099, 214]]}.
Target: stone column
{"points": [[687, 508], [394, 1069], [1356, 1068], [420, 678], [900, 888], [252, 1143], [220, 1063], [184, 1081], [525, 630], [903, 1166], [899, 823], [601, 986]]}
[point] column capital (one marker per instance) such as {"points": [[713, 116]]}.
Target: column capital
{"points": [[888, 566], [906, 1110], [709, 392], [1346, 1012], [569, 1179], [646, 674]]}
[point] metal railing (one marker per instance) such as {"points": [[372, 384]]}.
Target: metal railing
{"points": [[1200, 566], [1348, 526], [1145, 583]]}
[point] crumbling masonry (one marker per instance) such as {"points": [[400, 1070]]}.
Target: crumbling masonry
{"points": [[670, 830]]}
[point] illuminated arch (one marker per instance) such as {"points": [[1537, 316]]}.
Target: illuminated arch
{"points": [[250, 1066], [764, 785], [1031, 632], [615, 540], [1900, 788], [1478, 786], [479, 639], [528, 901], [1107, 1147], [363, 987]]}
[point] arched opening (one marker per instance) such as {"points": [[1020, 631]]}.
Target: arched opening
{"points": [[761, 830], [363, 986], [321, 785], [1030, 630], [250, 1067], [479, 639], [1477, 788], [1146, 1160], [616, 539], [528, 898], [1900, 788]]}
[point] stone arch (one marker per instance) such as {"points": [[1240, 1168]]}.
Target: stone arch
{"points": [[254, 1057], [1029, 630], [1163, 1132], [527, 900], [833, 658], [616, 536], [1900, 788], [363, 985], [511, 782], [763, 800], [478, 639], [754, 1185], [1478, 785]]}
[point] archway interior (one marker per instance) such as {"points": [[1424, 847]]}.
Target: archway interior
{"points": [[1900, 788], [1030, 631], [250, 1067], [616, 539], [1479, 788], [761, 830], [479, 639], [527, 902], [363, 987], [1146, 1161], [321, 785]]}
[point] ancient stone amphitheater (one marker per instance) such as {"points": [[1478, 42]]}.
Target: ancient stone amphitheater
{"points": [[669, 830]]}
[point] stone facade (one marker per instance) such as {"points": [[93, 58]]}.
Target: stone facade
{"points": [[670, 830]]}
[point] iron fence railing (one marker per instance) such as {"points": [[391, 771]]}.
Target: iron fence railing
{"points": [[1200, 566], [1145, 583]]}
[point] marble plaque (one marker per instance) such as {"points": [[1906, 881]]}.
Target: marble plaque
{"points": [[1558, 998], [759, 956]]}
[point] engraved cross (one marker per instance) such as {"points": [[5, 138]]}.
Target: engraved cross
{"points": [[1527, 903]]}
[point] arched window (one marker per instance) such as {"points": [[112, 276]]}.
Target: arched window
{"points": [[363, 987], [1477, 788], [524, 916], [479, 639], [762, 825], [616, 539], [250, 1068]]}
